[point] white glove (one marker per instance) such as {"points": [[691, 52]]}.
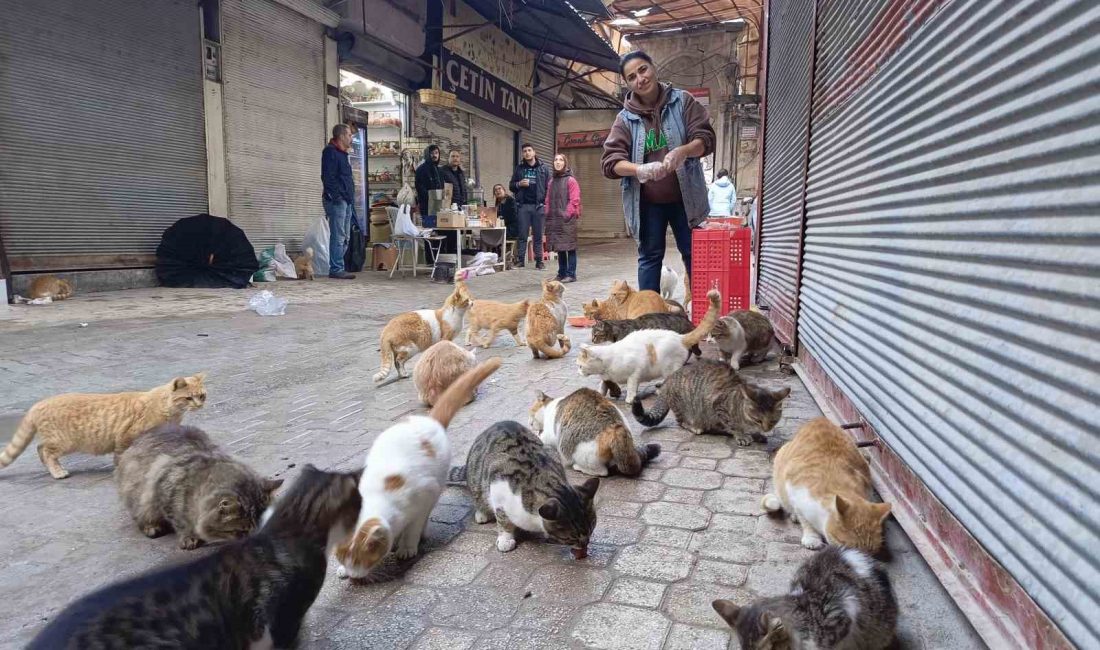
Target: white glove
{"points": [[653, 171], [675, 158]]}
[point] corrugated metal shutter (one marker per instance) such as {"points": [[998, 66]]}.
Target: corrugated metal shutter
{"points": [[543, 133], [102, 141], [950, 272], [494, 149], [274, 119], [601, 198], [790, 48]]}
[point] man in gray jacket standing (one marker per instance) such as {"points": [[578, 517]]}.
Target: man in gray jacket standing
{"points": [[529, 183]]}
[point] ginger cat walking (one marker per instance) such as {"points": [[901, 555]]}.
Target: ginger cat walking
{"points": [[101, 423], [416, 331]]}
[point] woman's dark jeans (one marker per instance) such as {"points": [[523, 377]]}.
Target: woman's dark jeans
{"points": [[567, 264], [655, 220]]}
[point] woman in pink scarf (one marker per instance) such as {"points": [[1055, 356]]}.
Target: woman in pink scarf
{"points": [[563, 210]]}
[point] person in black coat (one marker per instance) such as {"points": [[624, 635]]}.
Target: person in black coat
{"points": [[529, 183], [428, 177], [456, 176], [338, 198], [506, 211]]}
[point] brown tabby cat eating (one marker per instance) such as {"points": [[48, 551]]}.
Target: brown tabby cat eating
{"points": [[50, 286]]}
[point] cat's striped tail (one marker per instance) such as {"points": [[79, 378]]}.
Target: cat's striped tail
{"points": [[457, 475], [23, 436], [653, 416], [695, 336]]}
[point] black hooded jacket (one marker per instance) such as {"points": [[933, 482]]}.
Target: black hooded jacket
{"points": [[428, 177]]}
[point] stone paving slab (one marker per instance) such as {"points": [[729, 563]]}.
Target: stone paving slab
{"points": [[284, 391]]}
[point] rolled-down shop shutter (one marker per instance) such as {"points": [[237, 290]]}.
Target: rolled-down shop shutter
{"points": [[102, 142], [790, 48], [494, 147], [274, 119], [601, 198], [543, 133], [950, 271]]}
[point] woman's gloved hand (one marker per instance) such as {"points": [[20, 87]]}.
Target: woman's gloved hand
{"points": [[675, 158], [653, 171]]}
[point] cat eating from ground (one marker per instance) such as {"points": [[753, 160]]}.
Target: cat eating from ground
{"points": [[589, 433], [101, 423], [644, 355], [406, 471], [611, 330], [416, 331], [303, 266], [438, 368], [824, 484], [495, 317], [625, 302], [840, 599], [252, 593], [546, 323], [709, 397], [50, 286], [743, 333], [176, 478]]}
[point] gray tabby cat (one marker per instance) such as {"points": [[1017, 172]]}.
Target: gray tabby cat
{"points": [[710, 397], [520, 483], [252, 593], [176, 478], [840, 599], [744, 333]]}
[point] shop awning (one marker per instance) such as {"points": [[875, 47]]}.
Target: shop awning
{"points": [[550, 26], [594, 8]]}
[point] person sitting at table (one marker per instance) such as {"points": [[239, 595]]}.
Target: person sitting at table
{"points": [[506, 211]]}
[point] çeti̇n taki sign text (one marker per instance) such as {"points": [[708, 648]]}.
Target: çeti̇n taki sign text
{"points": [[478, 88]]}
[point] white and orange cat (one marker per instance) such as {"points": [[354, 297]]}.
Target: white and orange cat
{"points": [[303, 266], [438, 368], [625, 303], [406, 471], [101, 423], [495, 317], [416, 331], [824, 484], [546, 323], [50, 286]]}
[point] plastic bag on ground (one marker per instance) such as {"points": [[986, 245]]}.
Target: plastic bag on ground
{"points": [[266, 303], [317, 237], [267, 268], [283, 265]]}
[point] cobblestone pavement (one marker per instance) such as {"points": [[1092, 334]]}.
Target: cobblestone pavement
{"points": [[288, 390]]}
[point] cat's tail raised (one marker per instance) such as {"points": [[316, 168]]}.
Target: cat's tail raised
{"points": [[23, 436], [556, 351], [309, 253], [654, 416], [457, 475], [388, 359], [771, 503], [695, 336], [458, 393]]}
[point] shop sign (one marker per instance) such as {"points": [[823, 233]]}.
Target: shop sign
{"points": [[701, 95], [582, 139], [476, 87]]}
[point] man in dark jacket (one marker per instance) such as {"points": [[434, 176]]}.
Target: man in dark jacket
{"points": [[338, 198], [456, 176], [428, 177], [529, 183]]}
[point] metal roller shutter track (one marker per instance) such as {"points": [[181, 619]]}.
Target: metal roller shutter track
{"points": [[495, 144], [601, 198], [101, 121], [950, 271], [788, 92], [544, 132], [274, 119]]}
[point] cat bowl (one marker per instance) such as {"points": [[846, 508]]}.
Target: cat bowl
{"points": [[581, 321]]}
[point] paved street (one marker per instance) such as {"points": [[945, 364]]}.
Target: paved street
{"points": [[284, 391]]}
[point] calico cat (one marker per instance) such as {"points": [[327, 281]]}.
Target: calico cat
{"points": [[644, 355], [416, 331], [101, 423], [839, 599], [495, 317], [625, 302], [610, 331], [303, 266], [743, 333], [589, 433], [520, 483], [438, 368], [824, 484], [669, 280], [177, 478], [252, 593], [546, 323], [710, 397], [406, 471], [50, 286]]}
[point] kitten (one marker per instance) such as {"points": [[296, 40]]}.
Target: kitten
{"points": [[824, 484], [589, 433], [177, 478], [610, 331], [709, 397], [520, 483], [438, 368], [495, 316], [625, 302], [416, 331], [669, 280], [50, 286], [406, 471], [100, 423], [839, 599], [546, 323], [303, 266], [644, 355], [252, 593], [743, 333]]}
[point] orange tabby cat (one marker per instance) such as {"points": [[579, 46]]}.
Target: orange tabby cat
{"points": [[824, 484], [50, 286], [625, 302], [101, 423], [546, 323], [438, 368], [495, 316], [415, 331], [303, 266]]}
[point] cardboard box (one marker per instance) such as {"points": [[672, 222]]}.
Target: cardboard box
{"points": [[448, 196], [448, 219], [379, 234], [383, 257]]}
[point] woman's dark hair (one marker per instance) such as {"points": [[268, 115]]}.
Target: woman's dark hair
{"points": [[721, 173], [630, 56]]}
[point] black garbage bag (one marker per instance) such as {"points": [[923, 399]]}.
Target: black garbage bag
{"points": [[205, 251], [356, 255]]}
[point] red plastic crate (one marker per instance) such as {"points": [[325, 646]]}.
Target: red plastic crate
{"points": [[720, 259]]}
